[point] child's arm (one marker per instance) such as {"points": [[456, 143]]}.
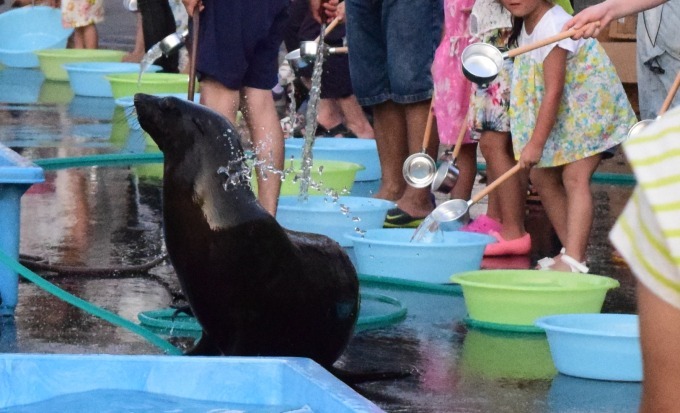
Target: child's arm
{"points": [[554, 70], [605, 12]]}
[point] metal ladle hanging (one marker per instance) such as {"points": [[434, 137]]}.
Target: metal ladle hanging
{"points": [[638, 127], [482, 61], [419, 168], [447, 174]]}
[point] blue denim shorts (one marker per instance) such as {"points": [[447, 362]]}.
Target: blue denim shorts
{"points": [[391, 48]]}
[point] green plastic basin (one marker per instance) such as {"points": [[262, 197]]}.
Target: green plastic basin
{"points": [[512, 298], [51, 60], [128, 84], [335, 175]]}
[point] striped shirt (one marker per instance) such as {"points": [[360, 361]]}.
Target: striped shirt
{"points": [[647, 234]]}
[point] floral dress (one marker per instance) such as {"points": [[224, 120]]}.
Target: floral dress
{"points": [[594, 115], [451, 89], [491, 23], [81, 13]]}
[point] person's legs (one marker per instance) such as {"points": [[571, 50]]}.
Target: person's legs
{"points": [[90, 36], [355, 118], [548, 183], [390, 138], [497, 150], [267, 136], [576, 178], [466, 162], [416, 201], [138, 52], [328, 114]]}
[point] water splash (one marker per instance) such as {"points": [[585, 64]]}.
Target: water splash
{"points": [[428, 232], [153, 54], [310, 117]]}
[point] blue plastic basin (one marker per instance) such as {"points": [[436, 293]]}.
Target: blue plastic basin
{"points": [[25, 30], [388, 252], [595, 346], [213, 383], [320, 215]]}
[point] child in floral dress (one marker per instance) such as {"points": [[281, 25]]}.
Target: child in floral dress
{"points": [[82, 16], [504, 220], [567, 108], [452, 92]]}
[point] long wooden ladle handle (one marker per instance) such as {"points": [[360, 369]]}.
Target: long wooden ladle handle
{"points": [[339, 50], [428, 126], [461, 136], [548, 40], [671, 94], [194, 48], [493, 185], [332, 25]]}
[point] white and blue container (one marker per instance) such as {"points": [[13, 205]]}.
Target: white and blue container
{"points": [[17, 174]]}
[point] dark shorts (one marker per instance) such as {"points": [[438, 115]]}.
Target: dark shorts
{"points": [[239, 42]]}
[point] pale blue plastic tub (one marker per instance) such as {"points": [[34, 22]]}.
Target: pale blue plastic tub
{"points": [[361, 151], [17, 174], [388, 252], [595, 346], [88, 78], [25, 30], [320, 215], [92, 383]]}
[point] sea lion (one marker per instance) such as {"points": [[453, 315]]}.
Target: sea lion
{"points": [[255, 288]]}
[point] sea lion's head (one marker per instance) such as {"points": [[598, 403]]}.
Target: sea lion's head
{"points": [[177, 124]]}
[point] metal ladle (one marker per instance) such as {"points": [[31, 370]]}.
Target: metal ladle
{"points": [[482, 61], [295, 56], [638, 127], [308, 50], [453, 214], [419, 168], [447, 174], [173, 42]]}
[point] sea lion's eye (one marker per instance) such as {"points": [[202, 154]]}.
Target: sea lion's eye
{"points": [[166, 103]]}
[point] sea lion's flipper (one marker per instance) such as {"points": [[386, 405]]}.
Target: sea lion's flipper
{"points": [[204, 346]]}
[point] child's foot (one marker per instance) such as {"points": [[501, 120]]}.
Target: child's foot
{"points": [[483, 224], [562, 262], [517, 246]]}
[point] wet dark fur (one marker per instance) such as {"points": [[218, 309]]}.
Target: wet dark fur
{"points": [[255, 288]]}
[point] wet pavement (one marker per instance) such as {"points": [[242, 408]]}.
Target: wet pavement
{"points": [[100, 216]]}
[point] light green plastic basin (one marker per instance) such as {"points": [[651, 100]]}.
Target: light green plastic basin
{"points": [[519, 297], [51, 60], [335, 175], [128, 84]]}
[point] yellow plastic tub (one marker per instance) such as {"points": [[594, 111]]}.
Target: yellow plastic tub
{"points": [[328, 175]]}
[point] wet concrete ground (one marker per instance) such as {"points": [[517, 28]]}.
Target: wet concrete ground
{"points": [[110, 217]]}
